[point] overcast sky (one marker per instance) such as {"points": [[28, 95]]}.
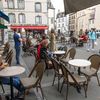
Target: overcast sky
{"points": [[58, 5]]}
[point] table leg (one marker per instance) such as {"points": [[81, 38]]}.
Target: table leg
{"points": [[11, 88], [78, 70]]}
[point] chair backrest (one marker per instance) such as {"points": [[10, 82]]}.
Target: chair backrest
{"points": [[73, 40], [71, 53], [48, 61], [67, 74], [56, 65], [95, 61], [6, 48], [38, 70], [8, 55]]}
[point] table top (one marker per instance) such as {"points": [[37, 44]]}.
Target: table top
{"points": [[79, 62], [58, 52], [11, 71]]}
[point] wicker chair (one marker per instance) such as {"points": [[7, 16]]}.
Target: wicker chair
{"points": [[6, 49], [48, 62], [34, 82], [73, 80], [68, 55], [57, 70], [95, 64]]}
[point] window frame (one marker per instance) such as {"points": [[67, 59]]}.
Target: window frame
{"points": [[23, 7], [22, 18], [14, 17], [40, 19], [36, 3], [9, 6]]}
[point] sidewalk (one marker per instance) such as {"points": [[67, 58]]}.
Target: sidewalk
{"points": [[50, 91]]}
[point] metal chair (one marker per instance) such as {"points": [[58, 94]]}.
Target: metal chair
{"points": [[57, 70]]}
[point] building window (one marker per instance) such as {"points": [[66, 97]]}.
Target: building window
{"points": [[21, 18], [38, 20], [10, 4], [12, 17], [21, 4], [37, 7]]}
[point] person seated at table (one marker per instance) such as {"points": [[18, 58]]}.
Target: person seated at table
{"points": [[83, 37]]}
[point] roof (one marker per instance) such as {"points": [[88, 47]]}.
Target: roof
{"points": [[77, 5]]}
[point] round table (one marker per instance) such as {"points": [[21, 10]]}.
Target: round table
{"points": [[80, 63], [58, 53], [10, 72]]}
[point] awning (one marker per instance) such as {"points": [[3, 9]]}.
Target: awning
{"points": [[77, 5], [30, 27], [3, 26], [4, 16]]}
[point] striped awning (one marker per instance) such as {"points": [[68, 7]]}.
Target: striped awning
{"points": [[4, 16], [77, 5]]}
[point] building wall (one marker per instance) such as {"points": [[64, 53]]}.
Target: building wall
{"points": [[51, 18], [29, 11], [86, 21], [72, 22], [62, 24]]}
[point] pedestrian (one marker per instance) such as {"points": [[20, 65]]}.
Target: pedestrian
{"points": [[42, 48], [52, 41], [91, 39], [17, 40]]}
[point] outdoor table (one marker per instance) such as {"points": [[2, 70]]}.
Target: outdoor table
{"points": [[10, 72], [80, 63], [58, 53]]}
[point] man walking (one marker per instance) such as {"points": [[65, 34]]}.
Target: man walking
{"points": [[17, 40]]}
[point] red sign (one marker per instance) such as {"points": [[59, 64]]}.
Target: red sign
{"points": [[29, 27]]}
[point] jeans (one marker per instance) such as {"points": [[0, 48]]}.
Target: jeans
{"points": [[17, 48], [16, 83]]}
